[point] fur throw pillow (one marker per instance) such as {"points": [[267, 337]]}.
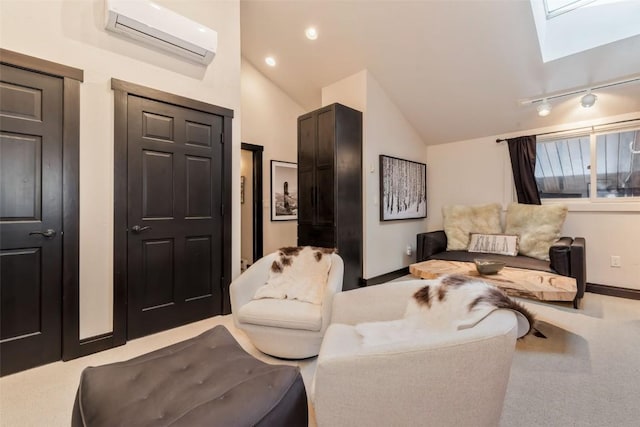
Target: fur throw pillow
{"points": [[444, 306], [538, 226], [298, 273], [459, 221]]}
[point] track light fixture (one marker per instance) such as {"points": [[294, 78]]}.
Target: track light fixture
{"points": [[588, 100], [544, 108]]}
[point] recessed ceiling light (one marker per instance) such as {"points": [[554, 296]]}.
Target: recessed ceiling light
{"points": [[311, 33], [270, 60]]}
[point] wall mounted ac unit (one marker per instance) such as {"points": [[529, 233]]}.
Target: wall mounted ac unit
{"points": [[149, 22]]}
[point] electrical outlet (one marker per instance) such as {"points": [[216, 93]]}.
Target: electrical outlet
{"points": [[615, 261], [409, 251]]}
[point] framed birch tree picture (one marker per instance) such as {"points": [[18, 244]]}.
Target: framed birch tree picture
{"points": [[403, 189]]}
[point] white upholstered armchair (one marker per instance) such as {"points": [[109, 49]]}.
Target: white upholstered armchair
{"points": [[284, 328], [455, 379]]}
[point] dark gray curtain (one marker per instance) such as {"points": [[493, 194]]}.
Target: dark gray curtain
{"points": [[522, 151]]}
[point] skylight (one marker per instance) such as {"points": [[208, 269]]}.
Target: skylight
{"points": [[558, 7], [566, 27]]}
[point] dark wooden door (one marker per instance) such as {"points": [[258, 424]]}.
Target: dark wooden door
{"points": [[31, 219], [306, 170], [316, 178], [175, 244], [325, 179], [316, 159]]}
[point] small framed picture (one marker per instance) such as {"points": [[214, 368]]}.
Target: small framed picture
{"points": [[241, 189], [284, 191]]}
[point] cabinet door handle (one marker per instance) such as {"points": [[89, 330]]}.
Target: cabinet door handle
{"points": [[50, 233], [137, 229]]}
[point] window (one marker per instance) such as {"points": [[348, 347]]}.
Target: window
{"points": [[562, 168], [618, 164], [572, 167]]}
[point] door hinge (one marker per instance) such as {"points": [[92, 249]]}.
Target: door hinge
{"points": [[222, 138], [221, 210]]}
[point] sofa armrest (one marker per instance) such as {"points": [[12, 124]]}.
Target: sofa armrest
{"points": [[430, 243], [560, 256], [579, 264], [568, 258], [334, 286]]}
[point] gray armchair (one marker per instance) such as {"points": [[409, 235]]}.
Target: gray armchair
{"points": [[289, 329], [453, 379]]}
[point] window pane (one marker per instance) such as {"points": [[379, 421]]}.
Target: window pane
{"points": [[562, 168], [618, 164]]}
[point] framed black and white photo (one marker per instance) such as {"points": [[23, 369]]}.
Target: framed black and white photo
{"points": [[242, 189], [403, 189], [284, 191]]}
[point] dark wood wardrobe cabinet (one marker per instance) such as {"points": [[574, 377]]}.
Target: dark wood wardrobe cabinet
{"points": [[330, 185]]}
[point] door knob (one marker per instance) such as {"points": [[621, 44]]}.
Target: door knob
{"points": [[137, 229], [49, 234]]}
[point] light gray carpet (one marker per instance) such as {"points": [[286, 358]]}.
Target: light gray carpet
{"points": [[586, 373]]}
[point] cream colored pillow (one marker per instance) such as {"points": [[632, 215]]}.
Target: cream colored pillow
{"points": [[460, 221], [298, 273], [538, 226]]}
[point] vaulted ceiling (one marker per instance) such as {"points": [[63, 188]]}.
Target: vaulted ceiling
{"points": [[456, 69]]}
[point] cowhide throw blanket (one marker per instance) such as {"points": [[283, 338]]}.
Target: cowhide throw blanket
{"points": [[298, 273], [446, 305]]}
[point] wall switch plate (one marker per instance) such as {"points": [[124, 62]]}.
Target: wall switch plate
{"points": [[615, 261]]}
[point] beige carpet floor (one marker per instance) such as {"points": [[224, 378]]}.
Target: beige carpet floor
{"points": [[586, 373]]}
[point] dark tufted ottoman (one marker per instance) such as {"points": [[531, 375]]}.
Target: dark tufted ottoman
{"points": [[207, 380]]}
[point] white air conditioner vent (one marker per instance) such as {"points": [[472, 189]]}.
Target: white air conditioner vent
{"points": [[148, 22]]}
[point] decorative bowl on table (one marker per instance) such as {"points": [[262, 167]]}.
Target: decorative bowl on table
{"points": [[488, 266]]}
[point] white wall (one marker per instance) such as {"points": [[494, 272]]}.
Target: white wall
{"points": [[386, 131], [270, 119], [71, 33], [479, 171], [350, 91], [471, 172]]}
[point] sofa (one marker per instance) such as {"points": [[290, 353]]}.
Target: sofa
{"points": [[566, 257]]}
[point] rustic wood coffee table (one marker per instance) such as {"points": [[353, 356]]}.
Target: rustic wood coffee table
{"points": [[518, 282]]}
